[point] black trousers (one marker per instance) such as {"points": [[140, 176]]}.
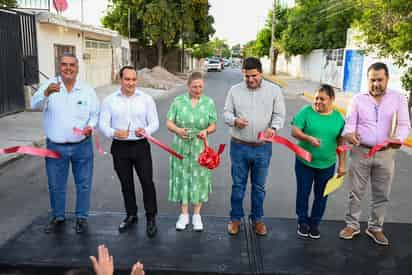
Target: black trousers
{"points": [[135, 154]]}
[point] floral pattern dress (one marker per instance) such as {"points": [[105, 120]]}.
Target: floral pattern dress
{"points": [[188, 181]]}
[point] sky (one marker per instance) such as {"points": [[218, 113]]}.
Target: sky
{"points": [[239, 21], [236, 21]]}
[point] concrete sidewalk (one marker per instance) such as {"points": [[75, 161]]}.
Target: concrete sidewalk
{"points": [[307, 89], [26, 128]]}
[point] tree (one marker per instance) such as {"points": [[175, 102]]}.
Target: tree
{"points": [[202, 50], [280, 26], [214, 47], [220, 47], [263, 40], [161, 23], [387, 27], [8, 3], [249, 49], [318, 24]]}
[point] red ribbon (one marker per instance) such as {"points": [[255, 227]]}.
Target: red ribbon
{"points": [[299, 151], [161, 145], [209, 158], [41, 152], [83, 132], [373, 150], [343, 148]]}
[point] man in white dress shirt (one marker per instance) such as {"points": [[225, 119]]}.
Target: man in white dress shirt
{"points": [[125, 115]]}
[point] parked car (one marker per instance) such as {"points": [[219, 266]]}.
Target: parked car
{"points": [[214, 65], [227, 62]]}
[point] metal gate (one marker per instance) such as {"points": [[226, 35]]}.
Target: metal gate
{"points": [[18, 59]]}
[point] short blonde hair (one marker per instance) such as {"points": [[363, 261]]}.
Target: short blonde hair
{"points": [[194, 76]]}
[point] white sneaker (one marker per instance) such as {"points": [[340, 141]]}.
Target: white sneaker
{"points": [[197, 222], [182, 222]]}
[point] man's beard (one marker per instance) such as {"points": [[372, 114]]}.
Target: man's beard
{"points": [[254, 87], [377, 91]]}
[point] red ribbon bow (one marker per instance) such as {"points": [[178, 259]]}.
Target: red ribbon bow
{"points": [[209, 158]]}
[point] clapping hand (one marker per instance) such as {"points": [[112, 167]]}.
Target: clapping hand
{"points": [[103, 265], [137, 269]]}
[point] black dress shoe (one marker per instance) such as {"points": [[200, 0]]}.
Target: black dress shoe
{"points": [[81, 225], [151, 228], [54, 224], [128, 222]]}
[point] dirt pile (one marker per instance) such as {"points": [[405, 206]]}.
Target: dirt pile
{"points": [[158, 78]]}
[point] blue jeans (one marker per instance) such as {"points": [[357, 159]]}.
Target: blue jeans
{"points": [[247, 158], [80, 156], [305, 177]]}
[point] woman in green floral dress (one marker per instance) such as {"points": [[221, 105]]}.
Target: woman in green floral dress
{"points": [[191, 116]]}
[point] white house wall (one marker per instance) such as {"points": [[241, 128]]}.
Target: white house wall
{"points": [[49, 34], [309, 66]]}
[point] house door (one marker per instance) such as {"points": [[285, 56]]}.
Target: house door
{"points": [[98, 62]]}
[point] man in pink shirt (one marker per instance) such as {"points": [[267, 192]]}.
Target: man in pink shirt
{"points": [[373, 117]]}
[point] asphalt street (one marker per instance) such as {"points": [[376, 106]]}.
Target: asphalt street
{"points": [[24, 195]]}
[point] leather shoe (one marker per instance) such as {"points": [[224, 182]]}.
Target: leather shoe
{"points": [[128, 222], [54, 224], [233, 227], [151, 228], [81, 225], [260, 228]]}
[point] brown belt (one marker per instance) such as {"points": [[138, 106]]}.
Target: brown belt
{"points": [[253, 144], [370, 147]]}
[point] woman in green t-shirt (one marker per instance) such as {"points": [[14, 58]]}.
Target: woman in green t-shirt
{"points": [[318, 128]]}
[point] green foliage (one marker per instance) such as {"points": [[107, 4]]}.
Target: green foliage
{"points": [[8, 3], [318, 24], [220, 47], [202, 50], [215, 47], [263, 39], [249, 49], [161, 22], [262, 43], [387, 27], [407, 80]]}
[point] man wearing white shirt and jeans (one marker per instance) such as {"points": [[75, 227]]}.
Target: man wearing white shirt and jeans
{"points": [[68, 103], [124, 116]]}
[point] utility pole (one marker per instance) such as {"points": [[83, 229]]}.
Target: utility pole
{"points": [[272, 42], [128, 23], [82, 11]]}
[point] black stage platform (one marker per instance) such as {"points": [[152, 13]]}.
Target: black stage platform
{"points": [[210, 252]]}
